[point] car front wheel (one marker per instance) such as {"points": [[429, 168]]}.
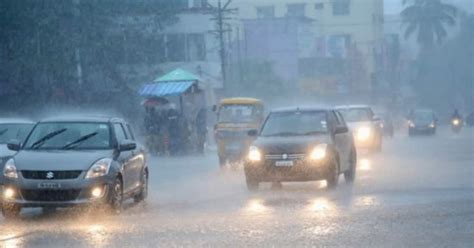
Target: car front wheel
{"points": [[10, 210], [144, 189], [349, 175], [116, 196], [332, 177]]}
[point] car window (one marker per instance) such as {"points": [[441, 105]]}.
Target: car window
{"points": [[340, 119], [69, 135], [332, 120], [13, 131], [295, 123], [119, 132], [130, 132], [357, 114]]}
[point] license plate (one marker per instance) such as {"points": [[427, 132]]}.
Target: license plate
{"points": [[283, 163], [49, 186]]}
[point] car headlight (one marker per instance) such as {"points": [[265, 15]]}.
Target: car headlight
{"points": [[319, 152], [254, 154], [99, 168], [10, 169], [432, 125], [411, 124], [363, 133], [456, 122]]}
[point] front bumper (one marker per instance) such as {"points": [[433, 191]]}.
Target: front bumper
{"points": [[66, 193], [302, 170]]}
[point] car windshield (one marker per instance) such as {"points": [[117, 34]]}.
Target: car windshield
{"points": [[14, 131], [295, 123], [236, 113], [423, 116], [68, 135], [356, 114]]}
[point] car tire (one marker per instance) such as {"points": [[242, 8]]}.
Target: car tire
{"points": [[349, 175], [332, 176], [116, 196], [11, 211], [144, 189], [252, 184]]}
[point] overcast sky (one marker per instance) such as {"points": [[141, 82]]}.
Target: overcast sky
{"points": [[395, 6]]}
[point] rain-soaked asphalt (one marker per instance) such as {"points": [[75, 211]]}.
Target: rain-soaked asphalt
{"points": [[418, 193]]}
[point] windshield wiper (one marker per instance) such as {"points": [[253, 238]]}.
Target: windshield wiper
{"points": [[47, 137], [77, 142], [283, 134], [4, 131], [314, 132]]}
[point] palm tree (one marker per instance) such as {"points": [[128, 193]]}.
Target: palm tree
{"points": [[429, 18]]}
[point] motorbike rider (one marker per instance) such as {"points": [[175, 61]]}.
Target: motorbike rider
{"points": [[456, 115]]}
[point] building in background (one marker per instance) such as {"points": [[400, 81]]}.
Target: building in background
{"points": [[338, 52]]}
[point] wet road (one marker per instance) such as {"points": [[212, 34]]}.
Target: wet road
{"points": [[419, 192]]}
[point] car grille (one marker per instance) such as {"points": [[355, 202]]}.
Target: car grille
{"points": [[50, 195], [282, 156], [57, 175]]}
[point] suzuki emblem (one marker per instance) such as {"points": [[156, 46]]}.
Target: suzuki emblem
{"points": [[284, 156], [50, 175]]}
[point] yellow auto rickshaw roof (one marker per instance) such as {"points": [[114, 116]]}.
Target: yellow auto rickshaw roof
{"points": [[241, 100]]}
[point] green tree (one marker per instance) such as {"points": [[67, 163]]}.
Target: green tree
{"points": [[428, 20]]}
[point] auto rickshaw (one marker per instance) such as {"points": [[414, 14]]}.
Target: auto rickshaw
{"points": [[235, 118]]}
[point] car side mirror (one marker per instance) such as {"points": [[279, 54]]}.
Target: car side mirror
{"points": [[252, 133], [14, 146], [127, 145], [341, 130]]}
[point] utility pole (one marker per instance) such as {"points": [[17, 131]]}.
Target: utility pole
{"points": [[77, 51], [220, 15]]}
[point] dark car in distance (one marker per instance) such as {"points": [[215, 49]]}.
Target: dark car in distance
{"points": [[422, 121], [75, 161], [301, 144]]}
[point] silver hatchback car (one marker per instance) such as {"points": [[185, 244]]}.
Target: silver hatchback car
{"points": [[75, 161]]}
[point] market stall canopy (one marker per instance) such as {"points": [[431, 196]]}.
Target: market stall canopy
{"points": [[173, 83], [177, 75], [164, 89]]}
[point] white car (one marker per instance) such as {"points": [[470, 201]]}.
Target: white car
{"points": [[366, 127]]}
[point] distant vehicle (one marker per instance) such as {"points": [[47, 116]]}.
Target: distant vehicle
{"points": [[235, 117], [75, 161], [367, 128], [11, 130], [422, 121], [301, 145], [456, 125]]}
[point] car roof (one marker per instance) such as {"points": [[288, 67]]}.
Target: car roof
{"points": [[16, 121], [302, 109], [354, 106], [83, 118]]}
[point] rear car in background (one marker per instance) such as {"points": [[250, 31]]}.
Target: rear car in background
{"points": [[366, 127], [14, 130], [75, 161], [235, 117], [301, 145], [422, 121]]}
